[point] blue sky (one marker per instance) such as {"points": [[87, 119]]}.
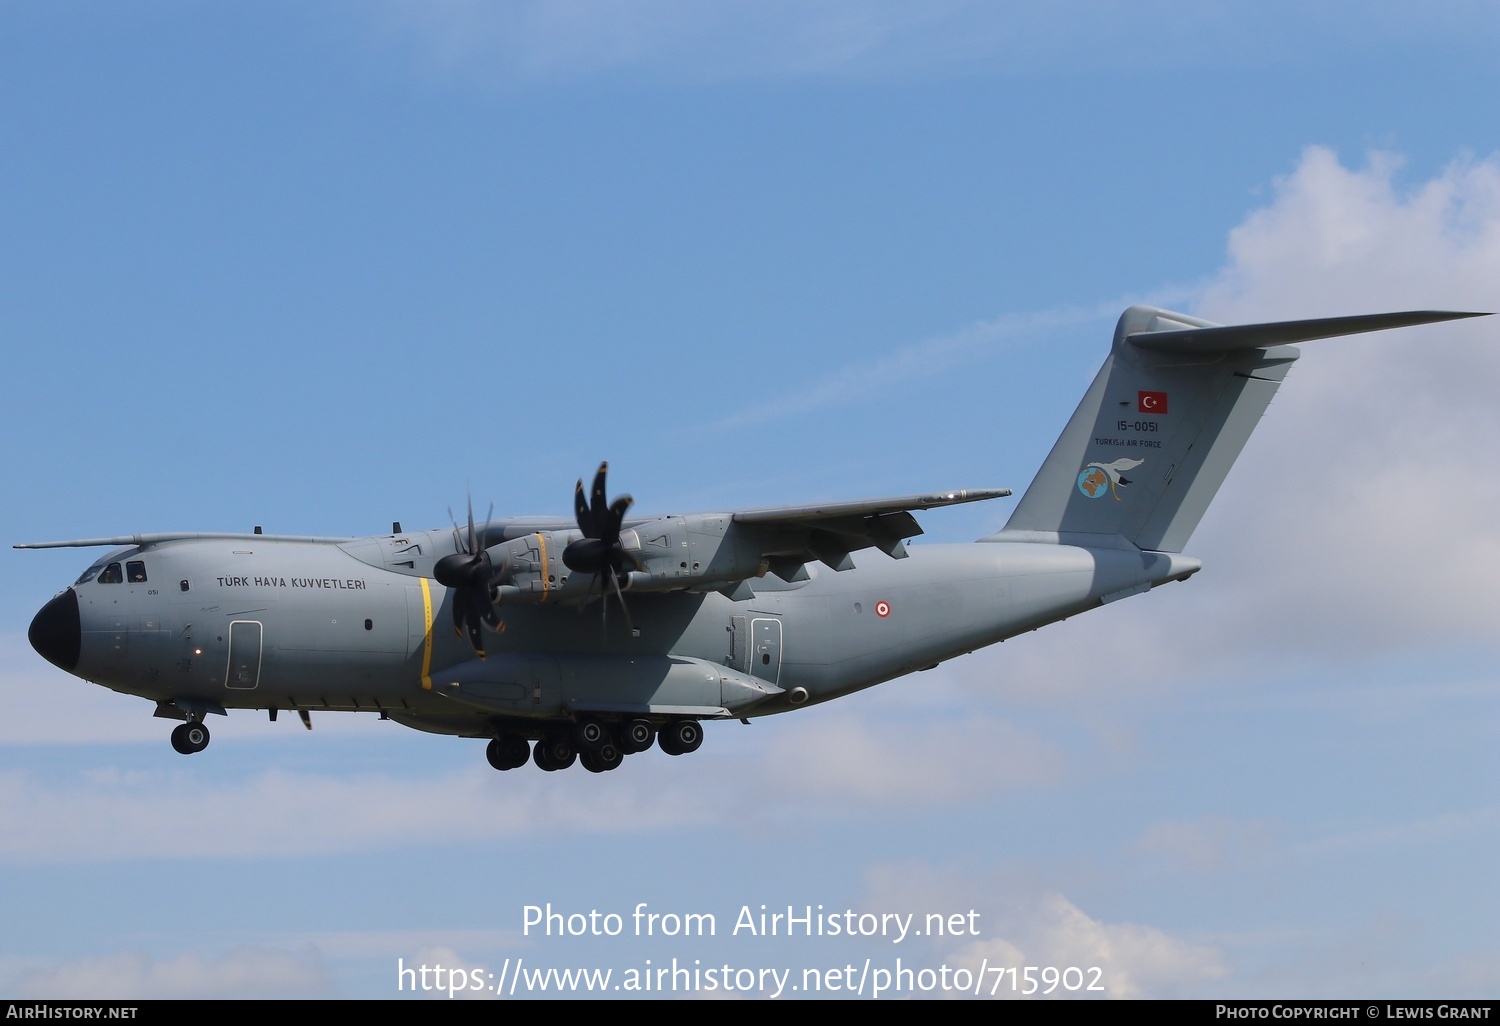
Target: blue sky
{"points": [[321, 267]]}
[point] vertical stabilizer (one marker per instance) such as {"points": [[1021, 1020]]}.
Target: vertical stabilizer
{"points": [[1152, 439], [1158, 430]]}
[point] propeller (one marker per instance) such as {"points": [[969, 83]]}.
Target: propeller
{"points": [[473, 578], [599, 550]]}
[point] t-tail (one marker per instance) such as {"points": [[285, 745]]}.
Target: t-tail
{"points": [[1158, 430]]}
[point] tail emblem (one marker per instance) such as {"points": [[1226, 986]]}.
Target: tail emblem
{"points": [[1097, 476]]}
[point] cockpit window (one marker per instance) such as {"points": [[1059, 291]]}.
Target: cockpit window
{"points": [[135, 571], [88, 575], [111, 574]]}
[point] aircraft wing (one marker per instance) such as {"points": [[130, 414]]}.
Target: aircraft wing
{"points": [[864, 507], [818, 514], [730, 547], [829, 531]]}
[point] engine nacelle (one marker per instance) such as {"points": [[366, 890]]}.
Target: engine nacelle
{"points": [[669, 553]]}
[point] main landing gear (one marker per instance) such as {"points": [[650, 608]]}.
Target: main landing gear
{"points": [[599, 746], [508, 752], [190, 738], [681, 737]]}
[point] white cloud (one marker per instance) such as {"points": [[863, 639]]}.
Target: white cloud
{"points": [[852, 759], [928, 358], [1373, 956], [449, 975], [1359, 520], [1134, 961], [1211, 844], [1362, 514], [176, 814], [551, 39], [1335, 235], [40, 704], [1439, 830], [339, 944], [1022, 922], [270, 966], [821, 767], [247, 972], [735, 39]]}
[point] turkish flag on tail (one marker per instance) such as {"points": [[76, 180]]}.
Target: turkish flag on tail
{"points": [[1151, 402]]}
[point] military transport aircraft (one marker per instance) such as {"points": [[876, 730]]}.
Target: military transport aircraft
{"points": [[729, 615]]}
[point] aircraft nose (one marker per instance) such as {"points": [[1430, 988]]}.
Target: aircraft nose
{"points": [[56, 632]]}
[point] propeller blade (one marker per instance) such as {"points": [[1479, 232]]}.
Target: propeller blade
{"points": [[598, 551], [581, 512], [621, 596], [470, 574], [597, 502], [611, 534]]}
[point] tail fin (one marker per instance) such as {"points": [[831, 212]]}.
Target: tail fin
{"points": [[1165, 418]]}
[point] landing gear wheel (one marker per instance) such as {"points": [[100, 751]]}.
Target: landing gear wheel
{"points": [[637, 736], [680, 737], [554, 753], [189, 738], [508, 752], [590, 735], [197, 737], [603, 760]]}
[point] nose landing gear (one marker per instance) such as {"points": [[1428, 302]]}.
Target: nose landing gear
{"points": [[190, 738]]}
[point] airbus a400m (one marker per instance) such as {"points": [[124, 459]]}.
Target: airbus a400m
{"points": [[706, 616]]}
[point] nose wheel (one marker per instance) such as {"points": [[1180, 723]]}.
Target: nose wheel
{"points": [[190, 738]]}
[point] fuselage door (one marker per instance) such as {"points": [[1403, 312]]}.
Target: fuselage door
{"points": [[243, 671], [765, 648], [739, 643]]}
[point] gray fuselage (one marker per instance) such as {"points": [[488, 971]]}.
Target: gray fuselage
{"points": [[259, 622]]}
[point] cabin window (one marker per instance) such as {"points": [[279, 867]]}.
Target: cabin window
{"points": [[88, 575], [111, 574], [135, 572]]}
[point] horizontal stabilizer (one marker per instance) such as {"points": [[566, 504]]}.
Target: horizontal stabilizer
{"points": [[1239, 337]]}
